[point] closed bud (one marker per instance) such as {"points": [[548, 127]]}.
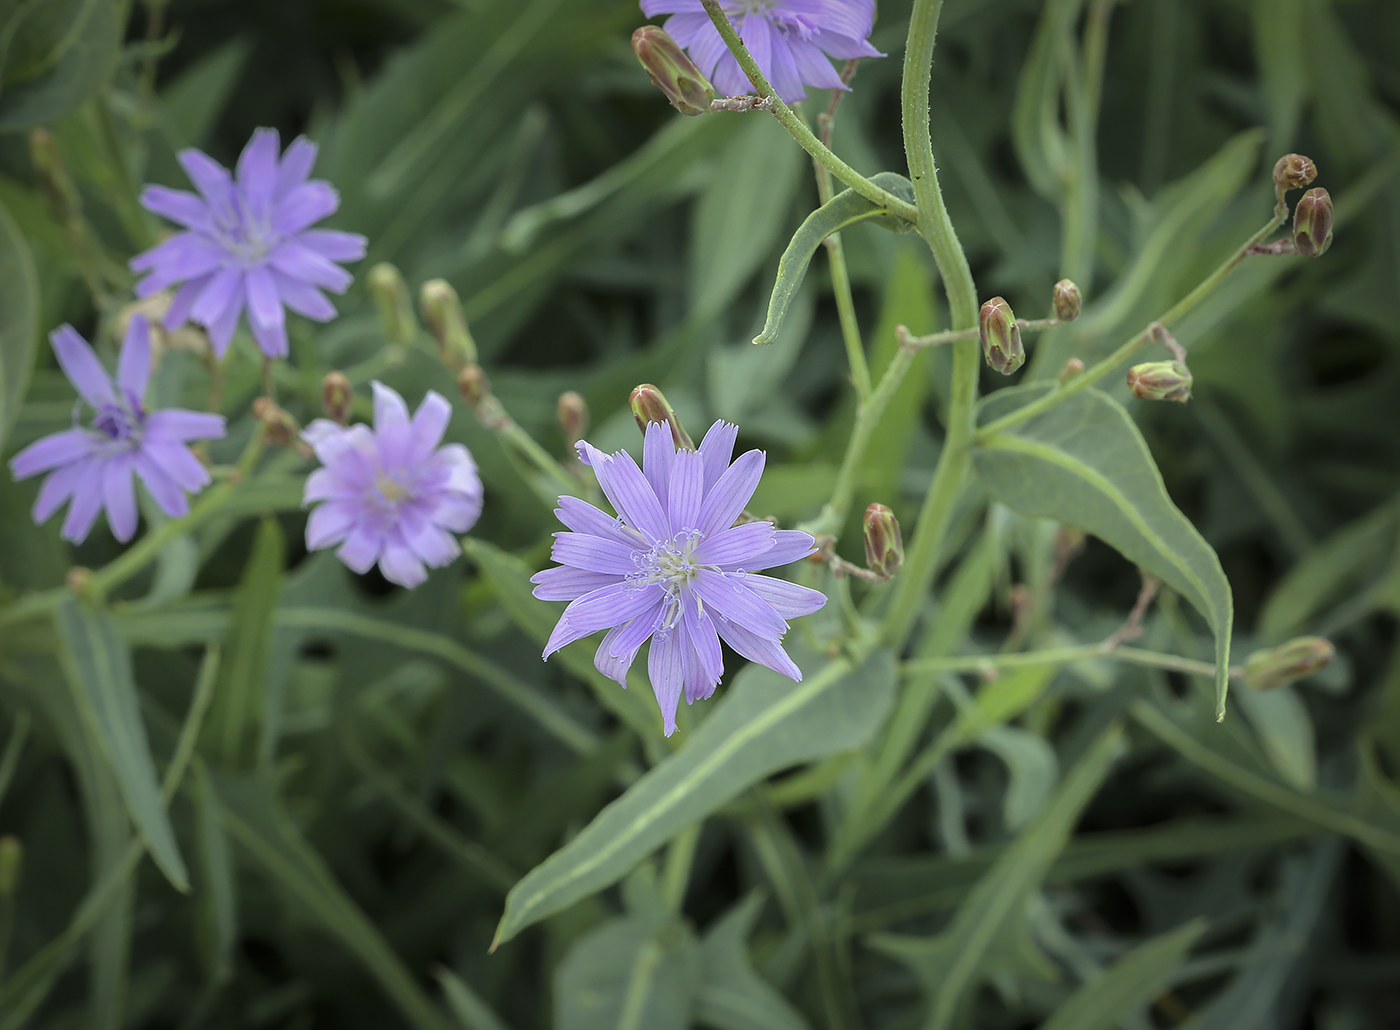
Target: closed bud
{"points": [[390, 295], [1001, 337], [1072, 368], [1312, 223], [1276, 666], [442, 310], [650, 405], [337, 397], [278, 425], [1294, 171], [884, 546], [1067, 301], [672, 71], [473, 384], [1161, 381], [573, 416], [11, 865]]}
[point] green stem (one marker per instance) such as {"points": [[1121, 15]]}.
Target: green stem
{"points": [[680, 857], [794, 125], [936, 228], [1080, 207], [846, 309], [1092, 375], [1061, 656]]}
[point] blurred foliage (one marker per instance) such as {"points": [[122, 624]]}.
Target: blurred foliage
{"points": [[1075, 844]]}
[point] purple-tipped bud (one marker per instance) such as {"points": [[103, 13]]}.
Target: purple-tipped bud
{"points": [[1161, 381], [1294, 171], [1312, 223], [672, 71], [650, 405], [1294, 660], [337, 397], [442, 310], [884, 546], [390, 294], [1001, 337], [573, 416], [1067, 301], [473, 384], [11, 864]]}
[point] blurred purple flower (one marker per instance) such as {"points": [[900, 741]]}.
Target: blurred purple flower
{"points": [[391, 494], [249, 243], [91, 466], [789, 39], [673, 567]]}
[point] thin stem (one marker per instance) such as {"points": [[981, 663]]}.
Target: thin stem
{"points": [[1026, 325], [1092, 375], [796, 126], [1063, 656]]}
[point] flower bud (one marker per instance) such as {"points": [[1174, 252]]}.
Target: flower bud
{"points": [[1160, 381], [337, 397], [442, 310], [672, 71], [1001, 337], [884, 546], [390, 295], [573, 416], [11, 865], [1072, 368], [473, 384], [1294, 171], [1067, 301], [1312, 223], [281, 429], [1294, 660], [650, 405]]}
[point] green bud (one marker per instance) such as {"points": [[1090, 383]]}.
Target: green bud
{"points": [[884, 546], [1072, 368], [442, 310], [11, 865], [672, 71], [1294, 171], [1067, 301], [390, 295], [337, 397], [1001, 337], [573, 416], [1294, 660], [473, 384], [1161, 381], [1312, 223], [650, 405]]}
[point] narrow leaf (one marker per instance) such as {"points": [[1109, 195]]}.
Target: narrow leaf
{"points": [[732, 995], [19, 314], [469, 1008]]}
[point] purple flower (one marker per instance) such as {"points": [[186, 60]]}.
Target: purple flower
{"points": [[391, 494], [675, 568], [249, 244], [91, 466], [790, 40]]}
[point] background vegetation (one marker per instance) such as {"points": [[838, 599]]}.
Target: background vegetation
{"points": [[376, 769]]}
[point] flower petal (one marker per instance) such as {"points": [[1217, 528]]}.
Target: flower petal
{"points": [[601, 609], [399, 564], [302, 298], [81, 366], [84, 508], [658, 452], [179, 206], [52, 451], [789, 545], [594, 553], [361, 548], [162, 486], [134, 363], [787, 599], [758, 649], [708, 656], [609, 661], [295, 166], [304, 206], [738, 546], [257, 173], [686, 493], [727, 497], [329, 524], [429, 424], [631, 495], [58, 488], [563, 583], [119, 496], [209, 177], [727, 595], [717, 448], [177, 424], [582, 517], [298, 261], [666, 669], [334, 245]]}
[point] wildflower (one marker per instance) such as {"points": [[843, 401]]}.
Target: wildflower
{"points": [[391, 494], [674, 567], [91, 466], [789, 39], [249, 244]]}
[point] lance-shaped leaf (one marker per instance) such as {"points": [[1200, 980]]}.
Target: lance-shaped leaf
{"points": [[19, 312], [764, 723], [1084, 463], [732, 995], [845, 209]]}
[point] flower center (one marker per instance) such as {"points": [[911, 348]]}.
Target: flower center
{"points": [[245, 237], [120, 425], [390, 489]]}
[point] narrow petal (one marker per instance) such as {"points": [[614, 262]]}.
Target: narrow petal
{"points": [[686, 493], [58, 488], [176, 461], [727, 497], [222, 328], [181, 258], [429, 424], [594, 553], [304, 206], [272, 337], [636, 633], [812, 66], [738, 546], [666, 669], [601, 609], [162, 486], [302, 298], [294, 259], [728, 596], [263, 303], [562, 583], [119, 496], [177, 424], [134, 363], [84, 508], [225, 290], [658, 452], [361, 548], [610, 663], [330, 524], [705, 642], [296, 165], [52, 451], [434, 546], [632, 496], [717, 448], [399, 564], [758, 649], [789, 545], [178, 206], [390, 412], [183, 303], [257, 172], [787, 599], [81, 366], [209, 177], [334, 245], [582, 517], [784, 76]]}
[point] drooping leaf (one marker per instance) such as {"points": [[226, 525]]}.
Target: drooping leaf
{"points": [[1084, 464]]}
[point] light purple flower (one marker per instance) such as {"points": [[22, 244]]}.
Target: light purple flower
{"points": [[675, 568], [391, 494], [91, 466], [249, 244], [789, 39]]}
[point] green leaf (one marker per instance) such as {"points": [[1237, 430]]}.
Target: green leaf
{"points": [[1039, 139], [1281, 721], [80, 70], [19, 318], [845, 209], [764, 723], [216, 917], [732, 995], [1084, 463], [622, 975], [98, 665], [469, 1008], [1135, 979], [991, 929]]}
